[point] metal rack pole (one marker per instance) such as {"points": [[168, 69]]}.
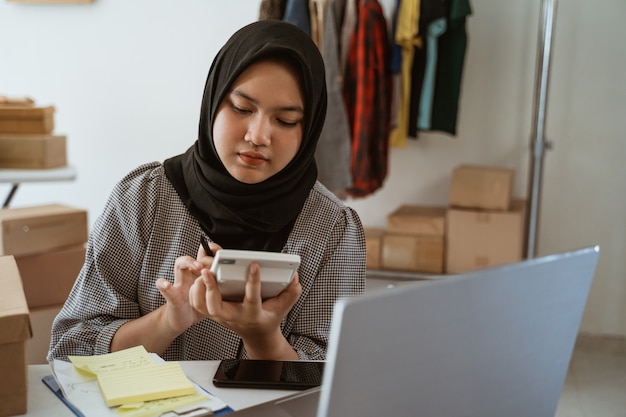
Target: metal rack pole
{"points": [[538, 142]]}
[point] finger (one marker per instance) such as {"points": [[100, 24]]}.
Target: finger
{"points": [[288, 296], [163, 286], [185, 269], [187, 263], [253, 285], [196, 296], [294, 285], [211, 246], [214, 247], [204, 249], [213, 295], [207, 257]]}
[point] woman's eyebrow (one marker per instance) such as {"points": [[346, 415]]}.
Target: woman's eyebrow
{"points": [[243, 95]]}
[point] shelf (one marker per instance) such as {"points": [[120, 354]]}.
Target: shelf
{"points": [[13, 176], [18, 176]]}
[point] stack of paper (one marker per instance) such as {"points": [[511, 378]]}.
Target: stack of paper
{"points": [[130, 376], [135, 382]]}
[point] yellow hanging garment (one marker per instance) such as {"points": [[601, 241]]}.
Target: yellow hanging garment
{"points": [[407, 30]]}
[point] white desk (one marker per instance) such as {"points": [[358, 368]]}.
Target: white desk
{"points": [[18, 176], [43, 403]]}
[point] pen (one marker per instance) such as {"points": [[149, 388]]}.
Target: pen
{"points": [[204, 241]]}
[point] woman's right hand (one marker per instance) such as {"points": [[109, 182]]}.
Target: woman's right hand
{"points": [[179, 314], [157, 329]]}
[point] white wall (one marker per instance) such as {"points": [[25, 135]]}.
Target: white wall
{"points": [[127, 78]]}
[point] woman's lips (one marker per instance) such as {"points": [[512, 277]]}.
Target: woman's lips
{"points": [[252, 158]]}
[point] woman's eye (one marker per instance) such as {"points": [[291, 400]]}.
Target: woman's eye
{"points": [[239, 109], [288, 124]]}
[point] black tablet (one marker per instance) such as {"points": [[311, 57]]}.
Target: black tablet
{"points": [[254, 373]]}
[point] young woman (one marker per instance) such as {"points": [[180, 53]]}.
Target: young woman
{"points": [[248, 182]]}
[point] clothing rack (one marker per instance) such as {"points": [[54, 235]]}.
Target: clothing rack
{"points": [[538, 143]]}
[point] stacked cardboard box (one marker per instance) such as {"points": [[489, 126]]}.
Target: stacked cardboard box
{"points": [[48, 245], [41, 323], [26, 136], [485, 224], [413, 240], [15, 330], [373, 241], [482, 226]]}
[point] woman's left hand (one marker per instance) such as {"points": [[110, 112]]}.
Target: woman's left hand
{"points": [[257, 321]]}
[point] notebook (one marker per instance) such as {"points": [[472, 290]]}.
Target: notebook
{"points": [[489, 343]]}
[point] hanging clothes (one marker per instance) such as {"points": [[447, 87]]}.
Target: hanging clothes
{"points": [[297, 13], [339, 10], [272, 9], [432, 24], [333, 148], [430, 84], [450, 62], [396, 48], [433, 32], [367, 93], [348, 24], [407, 36], [332, 154], [395, 66], [317, 10]]}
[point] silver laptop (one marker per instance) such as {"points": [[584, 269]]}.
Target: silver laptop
{"points": [[489, 343]]}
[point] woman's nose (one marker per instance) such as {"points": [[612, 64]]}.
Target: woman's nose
{"points": [[259, 132]]}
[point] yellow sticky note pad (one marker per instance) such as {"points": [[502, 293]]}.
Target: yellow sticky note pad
{"points": [[156, 407], [131, 375], [124, 359], [150, 382]]}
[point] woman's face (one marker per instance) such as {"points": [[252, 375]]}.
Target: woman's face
{"points": [[258, 126]]}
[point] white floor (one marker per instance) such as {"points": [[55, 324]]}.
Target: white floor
{"points": [[596, 382]]}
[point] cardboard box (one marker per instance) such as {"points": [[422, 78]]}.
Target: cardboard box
{"points": [[32, 151], [41, 322], [48, 277], [34, 120], [17, 101], [481, 187], [413, 253], [417, 220], [479, 239], [373, 243], [15, 330], [29, 230]]}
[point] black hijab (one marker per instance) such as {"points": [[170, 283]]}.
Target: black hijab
{"points": [[252, 216]]}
